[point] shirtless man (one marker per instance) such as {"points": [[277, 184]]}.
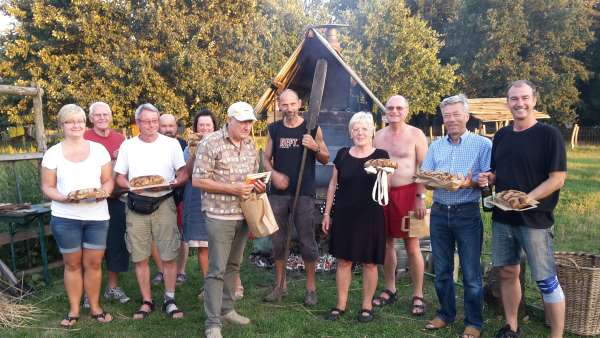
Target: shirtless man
{"points": [[406, 145]]}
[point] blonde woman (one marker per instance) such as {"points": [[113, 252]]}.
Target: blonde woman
{"points": [[79, 229], [357, 231]]}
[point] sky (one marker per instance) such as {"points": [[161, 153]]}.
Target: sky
{"points": [[4, 22]]}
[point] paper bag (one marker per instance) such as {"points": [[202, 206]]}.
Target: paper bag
{"points": [[259, 215], [416, 227]]}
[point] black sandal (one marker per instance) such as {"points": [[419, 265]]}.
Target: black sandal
{"points": [[142, 312], [101, 317], [173, 312], [418, 307], [335, 314], [380, 301], [69, 318], [365, 316]]}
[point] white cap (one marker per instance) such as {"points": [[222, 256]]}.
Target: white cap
{"points": [[241, 111]]}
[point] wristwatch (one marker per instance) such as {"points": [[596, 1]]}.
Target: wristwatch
{"points": [[421, 196]]}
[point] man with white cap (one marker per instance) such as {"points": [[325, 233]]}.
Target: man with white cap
{"points": [[224, 159]]}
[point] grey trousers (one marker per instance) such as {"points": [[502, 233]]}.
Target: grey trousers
{"points": [[227, 240]]}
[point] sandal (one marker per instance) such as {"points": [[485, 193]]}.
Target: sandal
{"points": [[101, 317], [143, 313], [365, 316], [418, 309], [471, 332], [174, 310], [382, 301], [436, 324], [69, 319], [335, 314]]}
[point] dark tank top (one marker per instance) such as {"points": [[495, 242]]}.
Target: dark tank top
{"points": [[287, 155]]}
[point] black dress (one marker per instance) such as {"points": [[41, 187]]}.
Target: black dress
{"points": [[357, 232]]}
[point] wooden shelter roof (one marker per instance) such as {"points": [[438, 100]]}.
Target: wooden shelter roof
{"points": [[494, 110]]}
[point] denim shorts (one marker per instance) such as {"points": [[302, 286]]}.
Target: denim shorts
{"points": [[508, 240], [73, 234]]}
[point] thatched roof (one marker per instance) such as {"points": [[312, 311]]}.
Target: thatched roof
{"points": [[494, 110]]}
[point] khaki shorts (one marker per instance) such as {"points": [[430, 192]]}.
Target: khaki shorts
{"points": [[160, 226]]}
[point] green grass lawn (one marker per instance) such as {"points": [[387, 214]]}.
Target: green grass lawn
{"points": [[577, 229]]}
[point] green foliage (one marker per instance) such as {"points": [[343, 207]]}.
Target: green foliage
{"points": [[496, 42], [396, 53], [180, 55]]}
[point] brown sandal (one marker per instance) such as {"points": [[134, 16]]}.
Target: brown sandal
{"points": [[471, 332], [436, 324], [420, 307]]}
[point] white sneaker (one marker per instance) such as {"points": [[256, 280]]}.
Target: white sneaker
{"points": [[235, 318], [213, 332]]}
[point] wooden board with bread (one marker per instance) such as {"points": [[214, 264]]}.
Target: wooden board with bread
{"points": [[512, 200], [439, 179], [154, 182], [87, 195]]}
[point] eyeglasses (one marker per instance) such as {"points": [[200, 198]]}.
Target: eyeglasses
{"points": [[394, 108], [148, 122], [74, 122]]}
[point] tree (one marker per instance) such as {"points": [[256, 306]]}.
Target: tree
{"points": [[180, 55], [396, 53], [495, 42]]}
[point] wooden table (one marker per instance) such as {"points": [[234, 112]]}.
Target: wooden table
{"points": [[20, 219]]}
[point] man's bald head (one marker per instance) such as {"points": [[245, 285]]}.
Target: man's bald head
{"points": [[289, 103], [168, 125], [288, 94], [397, 99], [396, 109]]}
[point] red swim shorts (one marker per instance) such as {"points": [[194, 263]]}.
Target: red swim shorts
{"points": [[401, 201]]}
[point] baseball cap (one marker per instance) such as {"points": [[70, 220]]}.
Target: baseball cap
{"points": [[241, 111]]}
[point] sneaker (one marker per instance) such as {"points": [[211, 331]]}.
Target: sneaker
{"points": [[506, 332], [86, 302], [235, 318], [181, 278], [213, 332], [311, 298], [275, 295], [158, 278], [116, 294]]}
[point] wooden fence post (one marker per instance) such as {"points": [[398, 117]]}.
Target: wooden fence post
{"points": [[574, 135], [38, 118]]}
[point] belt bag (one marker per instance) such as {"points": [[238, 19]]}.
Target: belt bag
{"points": [[145, 204]]}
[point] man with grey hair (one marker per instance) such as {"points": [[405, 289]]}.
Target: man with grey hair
{"points": [[224, 159], [151, 214], [455, 217], [407, 146], [117, 257]]}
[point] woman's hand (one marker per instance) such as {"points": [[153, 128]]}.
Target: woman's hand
{"points": [[325, 224]]}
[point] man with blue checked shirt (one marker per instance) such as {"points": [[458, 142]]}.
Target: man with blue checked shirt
{"points": [[455, 217]]}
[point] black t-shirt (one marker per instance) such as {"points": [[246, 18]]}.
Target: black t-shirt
{"points": [[287, 155], [522, 161]]}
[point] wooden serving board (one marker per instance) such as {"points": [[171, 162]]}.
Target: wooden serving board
{"points": [[490, 200]]}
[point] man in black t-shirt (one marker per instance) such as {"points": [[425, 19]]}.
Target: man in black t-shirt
{"points": [[283, 153], [530, 157]]}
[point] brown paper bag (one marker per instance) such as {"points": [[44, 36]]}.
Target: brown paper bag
{"points": [[259, 215], [416, 227]]}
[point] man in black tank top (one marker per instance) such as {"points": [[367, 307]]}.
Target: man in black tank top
{"points": [[283, 153]]}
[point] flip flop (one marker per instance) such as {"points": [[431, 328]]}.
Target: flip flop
{"points": [[101, 317], [335, 314], [380, 301], [70, 319]]}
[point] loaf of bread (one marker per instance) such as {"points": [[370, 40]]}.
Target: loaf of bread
{"points": [[381, 163], [143, 181], [514, 199], [82, 194]]}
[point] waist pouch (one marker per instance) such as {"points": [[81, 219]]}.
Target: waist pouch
{"points": [[145, 204]]}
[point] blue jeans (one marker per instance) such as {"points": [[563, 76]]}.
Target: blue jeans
{"points": [[508, 240], [458, 226], [72, 234]]}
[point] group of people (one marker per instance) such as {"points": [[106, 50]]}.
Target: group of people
{"points": [[526, 156]]}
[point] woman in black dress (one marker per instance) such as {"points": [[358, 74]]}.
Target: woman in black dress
{"points": [[357, 233]]}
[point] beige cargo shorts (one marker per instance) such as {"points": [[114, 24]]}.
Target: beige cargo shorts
{"points": [[159, 226]]}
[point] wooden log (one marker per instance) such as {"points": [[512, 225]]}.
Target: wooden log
{"points": [[38, 119], [16, 90]]}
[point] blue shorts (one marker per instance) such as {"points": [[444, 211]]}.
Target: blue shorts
{"points": [[73, 234], [508, 240]]}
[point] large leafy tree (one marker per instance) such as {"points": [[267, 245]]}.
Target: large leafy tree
{"points": [[395, 52], [497, 41], [180, 55]]}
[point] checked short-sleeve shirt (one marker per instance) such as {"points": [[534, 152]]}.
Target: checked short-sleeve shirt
{"points": [[218, 159], [472, 153]]}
